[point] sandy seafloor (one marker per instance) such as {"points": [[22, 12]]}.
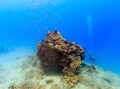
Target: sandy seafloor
{"points": [[20, 69]]}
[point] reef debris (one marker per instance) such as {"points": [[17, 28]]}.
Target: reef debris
{"points": [[26, 86], [72, 80]]}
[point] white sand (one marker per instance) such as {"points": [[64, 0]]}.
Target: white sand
{"points": [[8, 66], [22, 68]]}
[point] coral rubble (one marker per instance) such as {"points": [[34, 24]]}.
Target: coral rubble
{"points": [[26, 86]]}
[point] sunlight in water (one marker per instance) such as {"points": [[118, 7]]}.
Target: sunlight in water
{"points": [[89, 23]]}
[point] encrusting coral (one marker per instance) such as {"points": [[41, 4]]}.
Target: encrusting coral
{"points": [[57, 54], [72, 80]]}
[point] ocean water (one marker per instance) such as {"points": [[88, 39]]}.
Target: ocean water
{"points": [[95, 24]]}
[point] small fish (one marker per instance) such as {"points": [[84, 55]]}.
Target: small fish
{"points": [[92, 58]]}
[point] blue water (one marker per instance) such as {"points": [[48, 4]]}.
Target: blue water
{"points": [[95, 24]]}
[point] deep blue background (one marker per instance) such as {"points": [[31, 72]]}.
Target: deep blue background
{"points": [[25, 23]]}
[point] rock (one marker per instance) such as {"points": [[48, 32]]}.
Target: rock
{"points": [[59, 55]]}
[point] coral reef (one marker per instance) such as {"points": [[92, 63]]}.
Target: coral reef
{"points": [[72, 80], [58, 54]]}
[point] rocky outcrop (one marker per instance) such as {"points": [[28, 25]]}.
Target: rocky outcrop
{"points": [[58, 54]]}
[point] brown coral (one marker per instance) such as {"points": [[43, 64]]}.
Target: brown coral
{"points": [[72, 80], [58, 54]]}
